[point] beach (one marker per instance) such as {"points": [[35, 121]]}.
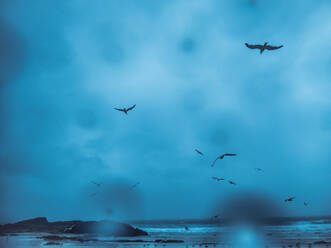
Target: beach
{"points": [[198, 233]]}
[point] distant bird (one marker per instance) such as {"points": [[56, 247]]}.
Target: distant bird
{"points": [[126, 110], [263, 47], [135, 185], [231, 182], [109, 211], [186, 228], [215, 217], [222, 156], [93, 194], [258, 169], [68, 229], [97, 184], [200, 153], [305, 203], [218, 178], [289, 199]]}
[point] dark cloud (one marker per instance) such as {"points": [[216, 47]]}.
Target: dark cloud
{"points": [[66, 65]]}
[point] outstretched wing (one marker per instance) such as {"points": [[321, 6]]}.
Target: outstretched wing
{"points": [[119, 109], [230, 154], [199, 152], [97, 184], [212, 165], [273, 47], [253, 46], [131, 107]]}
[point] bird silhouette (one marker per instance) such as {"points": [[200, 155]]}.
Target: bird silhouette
{"points": [[258, 169], [305, 203], [289, 199], [135, 185], [200, 153], [93, 194], [263, 47], [232, 182], [222, 156], [126, 110], [218, 178], [96, 184], [186, 228]]}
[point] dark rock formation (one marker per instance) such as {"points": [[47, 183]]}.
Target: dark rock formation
{"points": [[75, 227]]}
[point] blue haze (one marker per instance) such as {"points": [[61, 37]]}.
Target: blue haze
{"points": [[64, 65]]}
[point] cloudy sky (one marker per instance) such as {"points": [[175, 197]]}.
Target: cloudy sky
{"points": [[64, 66]]}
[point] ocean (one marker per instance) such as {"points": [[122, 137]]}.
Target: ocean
{"points": [[308, 232]]}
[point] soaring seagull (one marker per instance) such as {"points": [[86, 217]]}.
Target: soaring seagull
{"points": [[263, 47], [200, 153], [125, 110], [218, 179], [289, 199], [97, 184], [135, 185], [94, 194], [222, 156]]}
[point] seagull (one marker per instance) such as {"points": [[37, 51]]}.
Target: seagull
{"points": [[200, 153], [135, 185], [218, 178], [305, 203], [231, 182], [109, 211], [93, 194], [289, 199], [258, 169], [69, 229], [222, 156], [263, 47], [126, 110], [97, 184]]}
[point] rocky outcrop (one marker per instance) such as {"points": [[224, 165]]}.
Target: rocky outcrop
{"points": [[75, 227]]}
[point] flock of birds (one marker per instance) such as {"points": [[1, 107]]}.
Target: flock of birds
{"points": [[262, 48]]}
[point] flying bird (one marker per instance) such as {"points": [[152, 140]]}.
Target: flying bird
{"points": [[222, 156], [135, 185], [68, 229], [263, 47], [200, 153], [231, 182], [96, 184], [93, 194], [126, 110], [215, 217], [218, 178], [109, 211], [305, 203], [289, 199], [186, 228], [258, 169]]}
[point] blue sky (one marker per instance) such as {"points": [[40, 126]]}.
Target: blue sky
{"points": [[66, 64]]}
